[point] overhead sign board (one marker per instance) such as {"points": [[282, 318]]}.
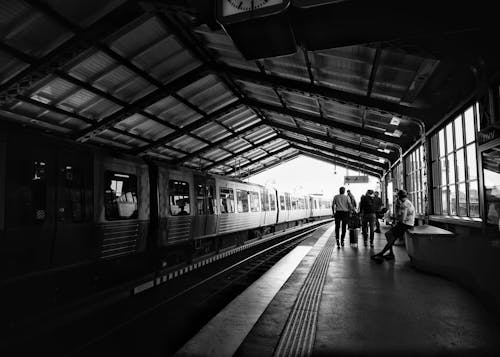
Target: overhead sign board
{"points": [[355, 179]]}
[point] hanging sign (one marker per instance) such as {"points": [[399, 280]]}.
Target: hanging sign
{"points": [[355, 179]]}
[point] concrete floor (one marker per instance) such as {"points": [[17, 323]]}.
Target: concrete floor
{"points": [[389, 308]]}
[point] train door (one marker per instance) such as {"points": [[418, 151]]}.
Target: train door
{"points": [[211, 225], [73, 235], [200, 218], [30, 207]]}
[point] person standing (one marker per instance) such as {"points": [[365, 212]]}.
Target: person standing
{"points": [[367, 210], [341, 207], [405, 221], [378, 207], [352, 199]]}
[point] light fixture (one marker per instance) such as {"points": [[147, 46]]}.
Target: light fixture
{"points": [[395, 121], [396, 133], [384, 150]]}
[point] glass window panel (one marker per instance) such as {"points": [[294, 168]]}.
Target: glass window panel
{"points": [[200, 198], [442, 165], [242, 201], [444, 200], [470, 132], [451, 168], [491, 169], [178, 193], [471, 162], [120, 196], [272, 202], [264, 196], [441, 143], [459, 135], [478, 118], [449, 138], [254, 201], [437, 208], [473, 199], [226, 200], [460, 165], [462, 200], [210, 199], [282, 203], [453, 200], [287, 200]]}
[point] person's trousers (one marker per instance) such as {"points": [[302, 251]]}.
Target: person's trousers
{"points": [[368, 222], [341, 217], [396, 232], [377, 223]]}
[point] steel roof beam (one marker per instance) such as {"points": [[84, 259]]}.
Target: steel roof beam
{"points": [[253, 162], [241, 152], [319, 120], [336, 152], [329, 139], [339, 161], [217, 143], [322, 91]]}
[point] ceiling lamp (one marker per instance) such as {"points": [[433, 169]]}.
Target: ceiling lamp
{"points": [[395, 121], [396, 133]]}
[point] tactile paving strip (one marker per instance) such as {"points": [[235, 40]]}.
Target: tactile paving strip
{"points": [[298, 334]]}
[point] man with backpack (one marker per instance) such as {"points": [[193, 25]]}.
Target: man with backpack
{"points": [[368, 216]]}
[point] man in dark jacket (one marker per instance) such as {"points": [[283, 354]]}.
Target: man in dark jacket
{"points": [[367, 210]]}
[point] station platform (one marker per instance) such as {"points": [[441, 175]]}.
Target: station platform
{"points": [[324, 300]]}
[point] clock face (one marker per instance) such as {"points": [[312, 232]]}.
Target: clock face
{"points": [[233, 7]]}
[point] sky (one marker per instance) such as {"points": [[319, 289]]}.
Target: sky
{"points": [[306, 175]]}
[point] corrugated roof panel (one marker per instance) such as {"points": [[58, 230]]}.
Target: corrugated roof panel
{"points": [[84, 12], [197, 163], [291, 66], [208, 94], [173, 111], [282, 119], [160, 156], [301, 102], [121, 139], [174, 66], [140, 38], [237, 145], [275, 145], [22, 26], [100, 109], [216, 154], [211, 132], [9, 66], [115, 78], [259, 92], [254, 154], [260, 134], [187, 143], [346, 68], [140, 125], [108, 140], [293, 135], [92, 67], [55, 89], [79, 100], [313, 127], [66, 121], [167, 151], [239, 118], [135, 88]]}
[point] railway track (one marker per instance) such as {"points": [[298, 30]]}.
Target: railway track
{"points": [[160, 320]]}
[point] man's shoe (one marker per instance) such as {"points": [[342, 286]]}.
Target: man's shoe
{"points": [[377, 257], [389, 256]]}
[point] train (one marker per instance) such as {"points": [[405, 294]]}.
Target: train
{"points": [[69, 206]]}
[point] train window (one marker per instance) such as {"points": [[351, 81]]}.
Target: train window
{"points": [[74, 195], [287, 201], [242, 200], [315, 204], [178, 194], [254, 201], [210, 199], [120, 196], [272, 202], [293, 201], [301, 204], [39, 191], [226, 200], [454, 176], [282, 203], [200, 199], [264, 197]]}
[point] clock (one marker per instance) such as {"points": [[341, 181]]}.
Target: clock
{"points": [[231, 11]]}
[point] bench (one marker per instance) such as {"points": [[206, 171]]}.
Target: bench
{"points": [[429, 246]]}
